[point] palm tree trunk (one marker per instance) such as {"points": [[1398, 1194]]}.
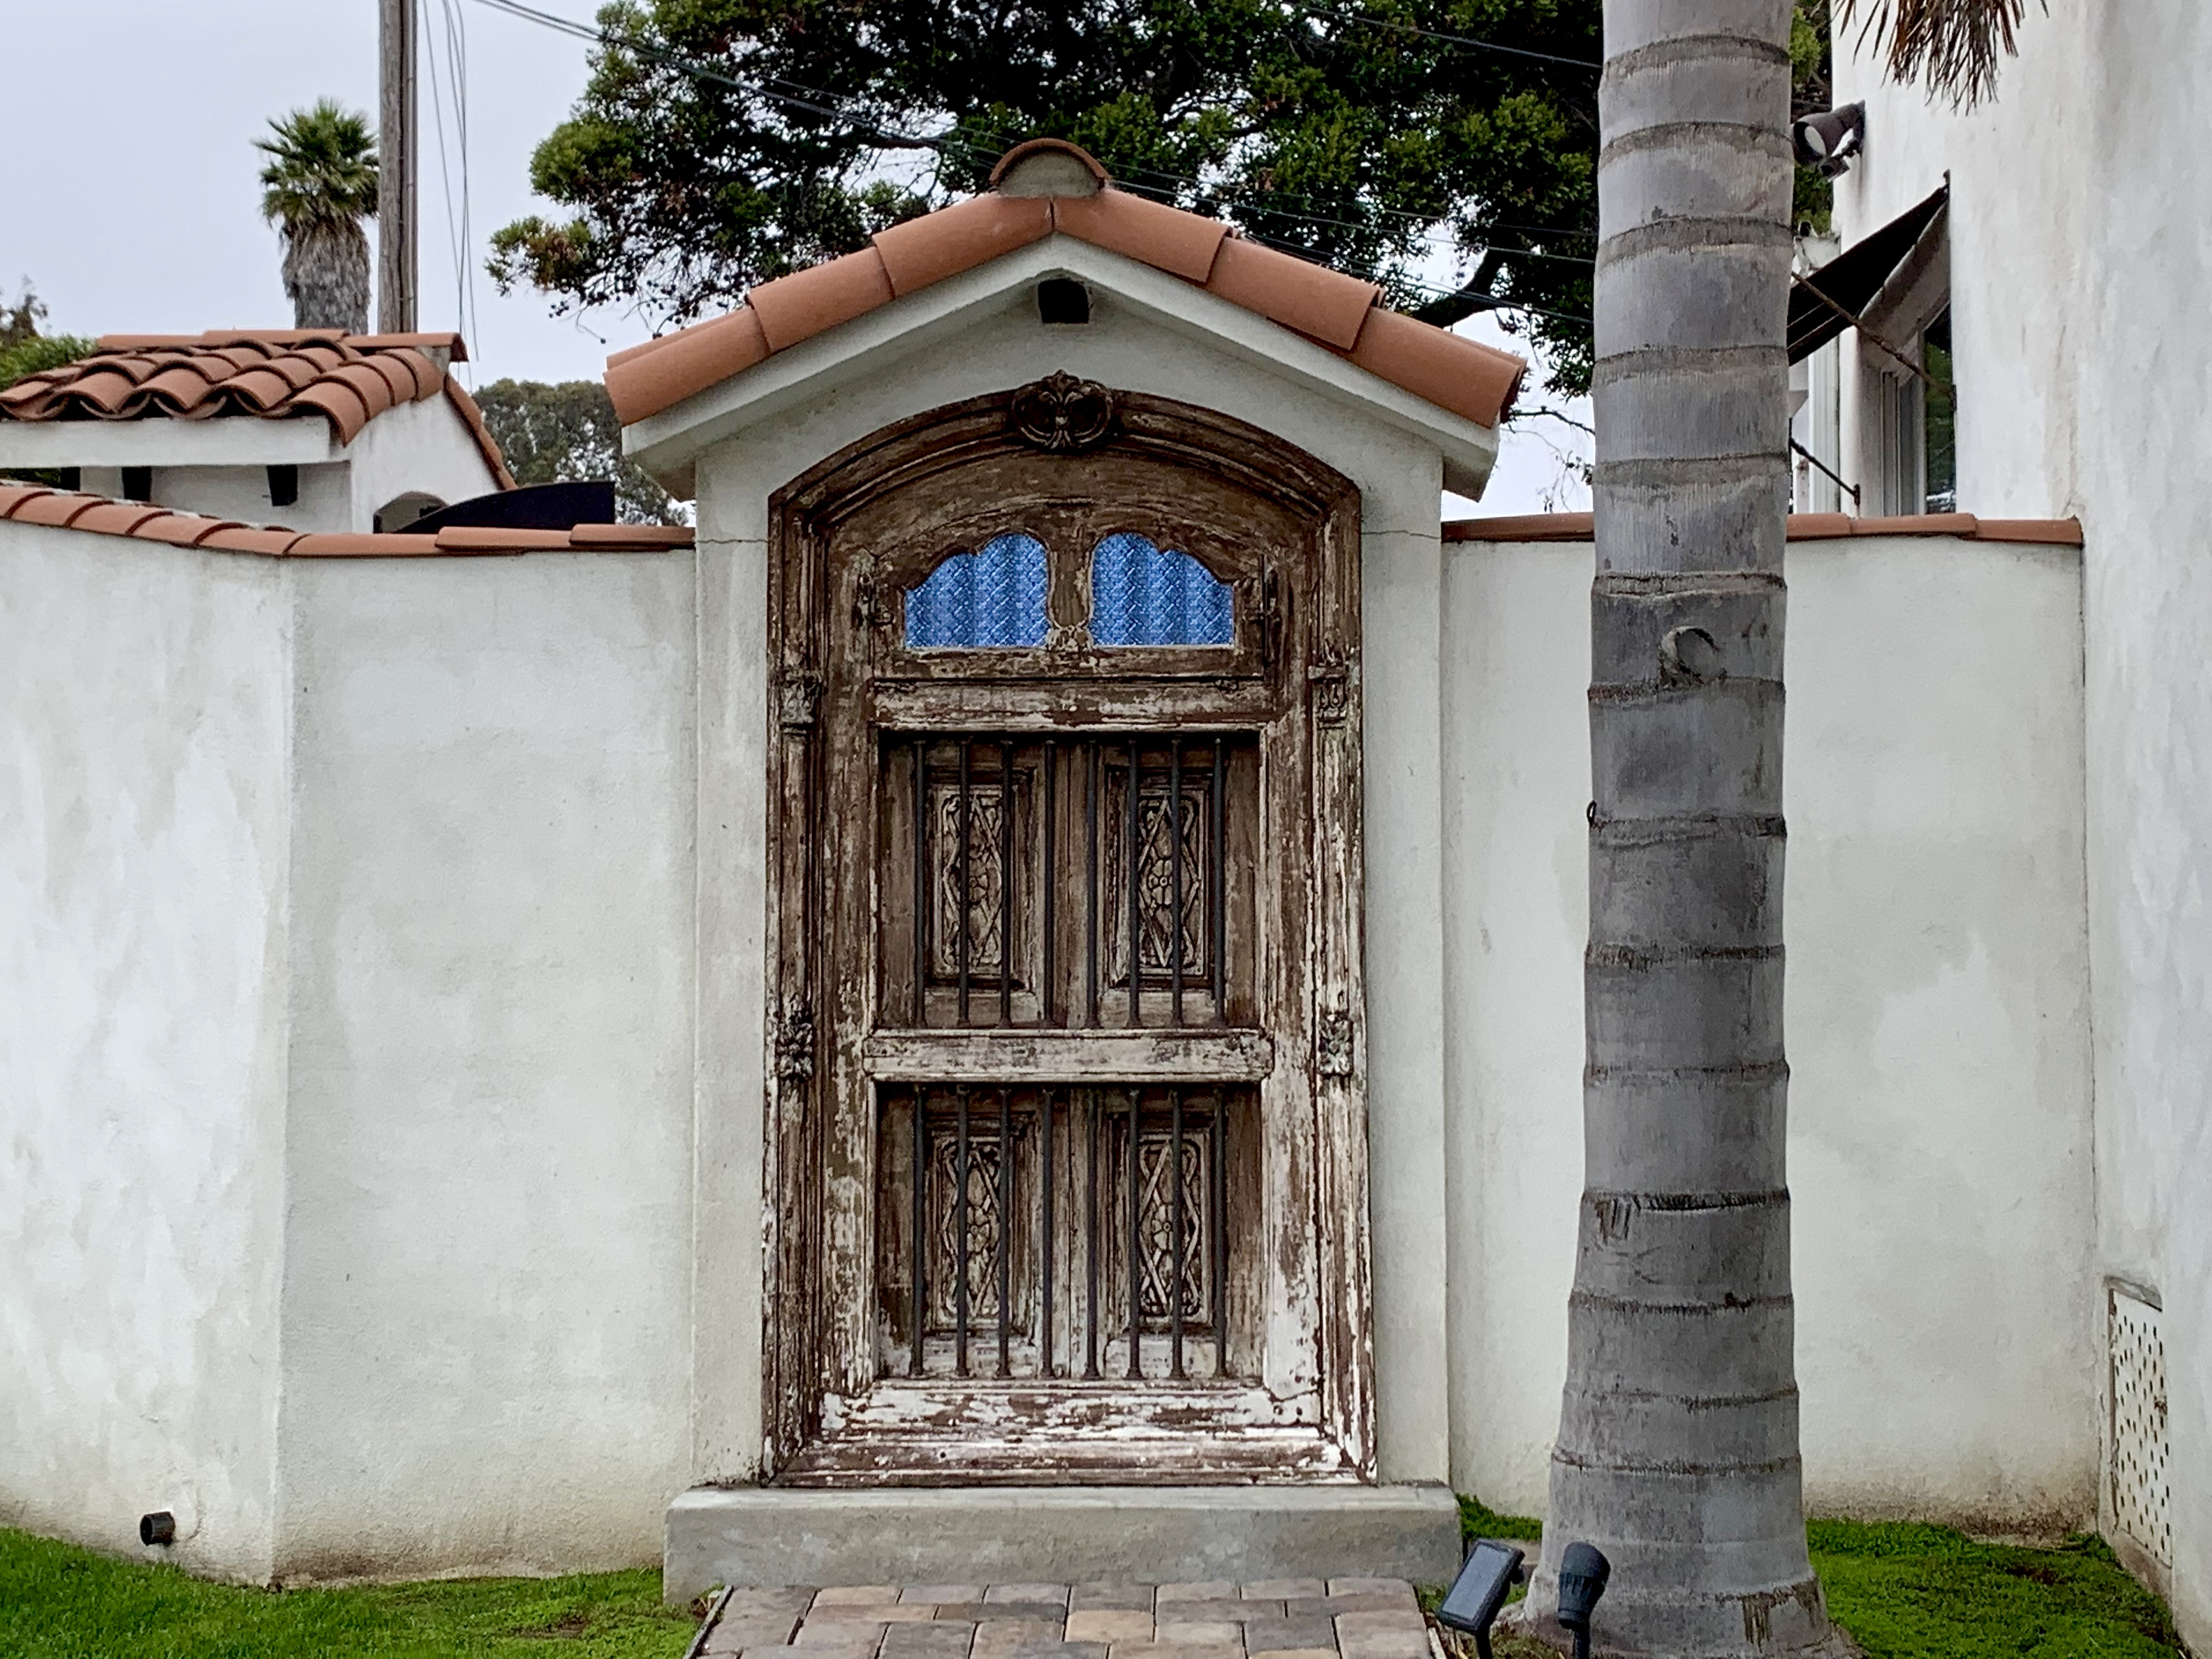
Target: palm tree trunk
{"points": [[1677, 1453], [327, 277]]}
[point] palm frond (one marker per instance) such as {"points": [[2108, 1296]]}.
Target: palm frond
{"points": [[1950, 47], [322, 172]]}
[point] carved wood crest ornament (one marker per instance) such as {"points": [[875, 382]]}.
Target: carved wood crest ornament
{"points": [[1061, 414]]}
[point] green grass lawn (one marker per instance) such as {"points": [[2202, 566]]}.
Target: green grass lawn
{"points": [[1914, 1592], [60, 1602], [1903, 1592]]}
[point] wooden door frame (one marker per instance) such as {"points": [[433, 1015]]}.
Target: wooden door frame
{"points": [[1323, 1041]]}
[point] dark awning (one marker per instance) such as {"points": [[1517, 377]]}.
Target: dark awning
{"points": [[1854, 276]]}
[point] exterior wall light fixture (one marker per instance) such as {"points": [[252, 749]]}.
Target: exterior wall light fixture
{"points": [[1829, 139], [1479, 1590]]}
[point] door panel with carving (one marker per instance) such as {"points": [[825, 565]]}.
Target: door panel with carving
{"points": [[1068, 1123]]}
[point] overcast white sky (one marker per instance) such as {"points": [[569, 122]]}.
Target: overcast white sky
{"points": [[130, 200]]}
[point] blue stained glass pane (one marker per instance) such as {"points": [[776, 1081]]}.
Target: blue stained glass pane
{"points": [[1141, 594], [993, 596]]}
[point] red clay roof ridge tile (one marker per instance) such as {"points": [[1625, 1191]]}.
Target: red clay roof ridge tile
{"points": [[1047, 186], [65, 509]]}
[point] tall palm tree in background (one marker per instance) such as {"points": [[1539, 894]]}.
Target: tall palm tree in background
{"points": [[1678, 1447], [318, 188]]}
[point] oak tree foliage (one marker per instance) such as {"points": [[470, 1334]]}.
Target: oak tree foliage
{"points": [[1344, 130]]}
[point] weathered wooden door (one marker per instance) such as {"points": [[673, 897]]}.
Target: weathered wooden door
{"points": [[1068, 1153]]}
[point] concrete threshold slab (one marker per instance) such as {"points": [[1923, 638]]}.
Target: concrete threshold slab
{"points": [[755, 1536]]}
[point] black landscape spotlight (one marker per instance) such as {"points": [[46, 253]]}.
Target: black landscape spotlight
{"points": [[1491, 1568], [1583, 1572]]}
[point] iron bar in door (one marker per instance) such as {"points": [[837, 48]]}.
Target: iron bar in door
{"points": [[921, 1231], [1219, 921], [1050, 864], [1130, 857], [1005, 1227], [1174, 882], [922, 900], [961, 921], [1005, 882], [960, 1249], [1044, 1163], [1219, 1197], [1093, 764], [1134, 1245], [1091, 1222], [1176, 1219]]}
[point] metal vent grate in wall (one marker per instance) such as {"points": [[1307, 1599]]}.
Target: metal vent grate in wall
{"points": [[2138, 1446]]}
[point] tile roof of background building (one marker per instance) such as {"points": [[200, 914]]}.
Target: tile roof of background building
{"points": [[141, 520], [272, 373], [1337, 312]]}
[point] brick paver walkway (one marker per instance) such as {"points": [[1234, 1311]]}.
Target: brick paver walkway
{"points": [[1260, 1618]]}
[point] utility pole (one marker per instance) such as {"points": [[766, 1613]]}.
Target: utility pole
{"points": [[395, 195]]}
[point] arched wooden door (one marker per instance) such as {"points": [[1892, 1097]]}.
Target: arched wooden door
{"points": [[1067, 1160]]}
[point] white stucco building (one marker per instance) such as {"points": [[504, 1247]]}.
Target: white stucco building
{"points": [[2064, 279], [532, 1057], [321, 432]]}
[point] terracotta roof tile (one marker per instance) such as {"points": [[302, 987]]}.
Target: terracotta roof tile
{"points": [[808, 302], [641, 380], [1462, 375], [56, 507], [1167, 239], [959, 238], [142, 521], [1023, 151], [474, 539], [117, 518], [269, 542], [1294, 292], [351, 544], [178, 529], [335, 398], [1470, 379], [1803, 527], [276, 373]]}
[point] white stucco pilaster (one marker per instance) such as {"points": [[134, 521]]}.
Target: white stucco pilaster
{"points": [[1401, 610], [731, 1103]]}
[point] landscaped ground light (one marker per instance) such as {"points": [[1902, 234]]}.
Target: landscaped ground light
{"points": [[1914, 1592], [1903, 1592]]}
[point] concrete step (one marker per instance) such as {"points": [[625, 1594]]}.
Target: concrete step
{"points": [[766, 1535]]}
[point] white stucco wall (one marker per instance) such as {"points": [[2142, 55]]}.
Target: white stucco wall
{"points": [[1940, 1147], [2082, 233], [424, 446], [1399, 483], [487, 1291], [144, 880], [324, 502]]}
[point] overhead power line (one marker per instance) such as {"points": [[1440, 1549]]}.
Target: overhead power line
{"points": [[1396, 26], [832, 106]]}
